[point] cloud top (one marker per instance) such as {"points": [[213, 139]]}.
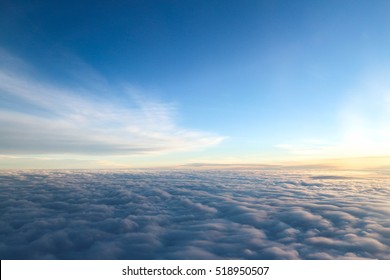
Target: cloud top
{"points": [[162, 214]]}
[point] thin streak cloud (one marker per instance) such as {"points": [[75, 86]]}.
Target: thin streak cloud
{"points": [[41, 118]]}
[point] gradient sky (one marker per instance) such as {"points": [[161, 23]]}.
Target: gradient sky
{"points": [[87, 84]]}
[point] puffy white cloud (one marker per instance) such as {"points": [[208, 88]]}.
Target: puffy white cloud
{"points": [[198, 214]]}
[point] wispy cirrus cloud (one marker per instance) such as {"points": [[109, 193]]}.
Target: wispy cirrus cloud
{"points": [[41, 118]]}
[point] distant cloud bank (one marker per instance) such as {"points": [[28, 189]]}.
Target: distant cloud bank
{"points": [[225, 214]]}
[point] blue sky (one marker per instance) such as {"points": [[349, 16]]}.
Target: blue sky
{"points": [[151, 83]]}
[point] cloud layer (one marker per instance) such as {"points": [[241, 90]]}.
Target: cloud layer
{"points": [[42, 118], [181, 214]]}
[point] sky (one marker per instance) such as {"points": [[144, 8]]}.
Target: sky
{"points": [[118, 84]]}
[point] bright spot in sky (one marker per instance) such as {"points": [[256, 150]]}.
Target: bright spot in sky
{"points": [[262, 127], [166, 84]]}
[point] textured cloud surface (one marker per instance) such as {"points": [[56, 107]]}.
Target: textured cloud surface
{"points": [[178, 214]]}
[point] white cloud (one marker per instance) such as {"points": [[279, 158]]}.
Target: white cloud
{"points": [[41, 118], [203, 214]]}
